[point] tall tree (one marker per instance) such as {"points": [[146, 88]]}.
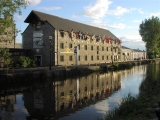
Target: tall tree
{"points": [[149, 30], [7, 9], [5, 57]]}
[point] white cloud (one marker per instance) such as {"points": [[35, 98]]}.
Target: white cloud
{"points": [[118, 11], [19, 17], [98, 9], [34, 2], [117, 26], [133, 38], [140, 11], [101, 24], [49, 8], [137, 21]]}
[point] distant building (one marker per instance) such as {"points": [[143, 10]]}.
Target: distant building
{"points": [[47, 32], [18, 45], [132, 54]]}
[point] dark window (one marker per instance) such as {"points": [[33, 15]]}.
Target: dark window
{"points": [[85, 89], [79, 47], [61, 58], [79, 57], [85, 58], [102, 57], [70, 45], [62, 94], [92, 47], [92, 57], [102, 48], [62, 45], [97, 52], [70, 58], [97, 57], [107, 48], [97, 47], [85, 47]]}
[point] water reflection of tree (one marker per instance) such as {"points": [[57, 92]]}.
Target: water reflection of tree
{"points": [[152, 77], [6, 106]]}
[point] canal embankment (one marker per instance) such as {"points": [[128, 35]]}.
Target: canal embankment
{"points": [[73, 70]]}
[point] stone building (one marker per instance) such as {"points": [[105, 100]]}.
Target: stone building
{"points": [[132, 54], [52, 38]]}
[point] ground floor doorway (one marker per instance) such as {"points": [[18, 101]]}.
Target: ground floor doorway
{"points": [[38, 59]]}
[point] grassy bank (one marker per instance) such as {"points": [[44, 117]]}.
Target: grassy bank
{"points": [[140, 107]]}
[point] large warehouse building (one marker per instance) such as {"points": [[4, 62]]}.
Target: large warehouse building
{"points": [[52, 38]]}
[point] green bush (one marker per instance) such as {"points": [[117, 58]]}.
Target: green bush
{"points": [[26, 62], [17, 65], [129, 65], [115, 66], [32, 64]]}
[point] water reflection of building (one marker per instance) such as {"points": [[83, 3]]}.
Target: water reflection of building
{"points": [[73, 93], [7, 103], [38, 103]]}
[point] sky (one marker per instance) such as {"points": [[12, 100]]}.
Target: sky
{"points": [[121, 17]]}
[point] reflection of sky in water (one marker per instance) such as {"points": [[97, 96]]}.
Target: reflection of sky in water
{"points": [[130, 84], [20, 112]]}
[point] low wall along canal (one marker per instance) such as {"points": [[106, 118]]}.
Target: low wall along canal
{"points": [[70, 70]]}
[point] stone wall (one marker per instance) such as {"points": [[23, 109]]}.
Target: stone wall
{"points": [[90, 52], [43, 51]]}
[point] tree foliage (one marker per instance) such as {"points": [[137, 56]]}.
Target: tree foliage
{"points": [[5, 56], [150, 33], [26, 62], [8, 8]]}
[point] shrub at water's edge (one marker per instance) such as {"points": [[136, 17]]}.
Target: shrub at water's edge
{"points": [[140, 107]]}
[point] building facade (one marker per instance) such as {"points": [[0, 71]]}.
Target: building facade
{"points": [[53, 39], [132, 54]]}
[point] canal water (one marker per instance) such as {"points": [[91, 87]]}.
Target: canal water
{"points": [[78, 98]]}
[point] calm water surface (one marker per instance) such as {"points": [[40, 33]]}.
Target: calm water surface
{"points": [[79, 98]]}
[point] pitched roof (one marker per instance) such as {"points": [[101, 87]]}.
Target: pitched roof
{"points": [[135, 50], [125, 47], [67, 25]]}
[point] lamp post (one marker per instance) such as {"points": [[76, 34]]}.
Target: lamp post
{"points": [[14, 35], [112, 52], [50, 38]]}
